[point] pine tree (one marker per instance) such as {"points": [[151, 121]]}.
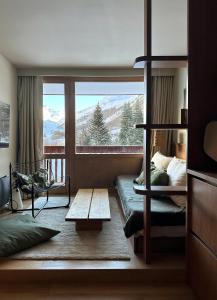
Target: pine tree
{"points": [[84, 138], [99, 134], [136, 119], [126, 131]]}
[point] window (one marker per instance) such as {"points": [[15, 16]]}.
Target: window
{"points": [[53, 117], [54, 127], [105, 116]]}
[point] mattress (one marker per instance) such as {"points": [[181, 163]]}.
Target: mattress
{"points": [[164, 212]]}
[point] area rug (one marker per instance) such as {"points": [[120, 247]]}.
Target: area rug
{"points": [[107, 244]]}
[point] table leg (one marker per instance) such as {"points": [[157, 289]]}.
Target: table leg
{"points": [[88, 225]]}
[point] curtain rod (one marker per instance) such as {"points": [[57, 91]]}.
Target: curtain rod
{"points": [[79, 72]]}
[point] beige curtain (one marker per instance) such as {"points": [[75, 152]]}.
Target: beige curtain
{"points": [[30, 123], [163, 112]]}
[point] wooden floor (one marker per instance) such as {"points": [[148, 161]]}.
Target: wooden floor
{"points": [[164, 278]]}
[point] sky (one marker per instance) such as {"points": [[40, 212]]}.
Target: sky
{"points": [[88, 93], [56, 102], [84, 101]]}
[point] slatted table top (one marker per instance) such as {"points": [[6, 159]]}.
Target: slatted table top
{"points": [[90, 204]]}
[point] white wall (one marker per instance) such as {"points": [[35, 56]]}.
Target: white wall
{"points": [[181, 83], [8, 87]]}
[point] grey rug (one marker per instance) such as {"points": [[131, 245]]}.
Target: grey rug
{"points": [[107, 244]]}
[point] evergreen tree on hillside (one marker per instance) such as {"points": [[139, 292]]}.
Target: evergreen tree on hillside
{"points": [[98, 133], [84, 138], [126, 131], [136, 119]]}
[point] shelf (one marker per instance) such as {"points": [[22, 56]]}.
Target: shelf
{"points": [[162, 126], [141, 60], [209, 176], [159, 190]]}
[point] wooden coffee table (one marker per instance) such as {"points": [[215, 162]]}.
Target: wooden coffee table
{"points": [[90, 209]]}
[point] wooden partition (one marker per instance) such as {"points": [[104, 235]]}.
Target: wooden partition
{"points": [[97, 170], [202, 185]]}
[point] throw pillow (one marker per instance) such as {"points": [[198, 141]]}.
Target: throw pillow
{"points": [[140, 178], [159, 177], [161, 161], [39, 179], [22, 232], [177, 177]]}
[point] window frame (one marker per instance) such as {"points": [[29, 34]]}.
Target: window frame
{"points": [[70, 113]]}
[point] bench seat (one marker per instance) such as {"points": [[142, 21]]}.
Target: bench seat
{"points": [[164, 212]]}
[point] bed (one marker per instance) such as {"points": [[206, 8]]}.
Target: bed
{"points": [[167, 218]]}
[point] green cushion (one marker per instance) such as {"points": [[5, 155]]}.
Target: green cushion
{"points": [[22, 232], [140, 178], [159, 177]]}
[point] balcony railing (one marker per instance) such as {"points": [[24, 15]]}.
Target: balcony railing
{"points": [[94, 149], [109, 149], [55, 155]]}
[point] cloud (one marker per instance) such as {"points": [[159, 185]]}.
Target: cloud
{"points": [[52, 115]]}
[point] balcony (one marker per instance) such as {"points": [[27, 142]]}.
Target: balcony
{"points": [[57, 150], [55, 155]]}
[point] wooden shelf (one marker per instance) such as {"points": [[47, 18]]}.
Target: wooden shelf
{"points": [[205, 175], [141, 60], [162, 126], [159, 190]]}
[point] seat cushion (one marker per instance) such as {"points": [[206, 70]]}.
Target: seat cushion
{"points": [[164, 212]]}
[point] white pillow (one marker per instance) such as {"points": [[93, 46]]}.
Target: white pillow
{"points": [[161, 161], [177, 177]]}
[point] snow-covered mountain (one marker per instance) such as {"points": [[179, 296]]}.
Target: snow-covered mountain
{"points": [[111, 106], [53, 126]]}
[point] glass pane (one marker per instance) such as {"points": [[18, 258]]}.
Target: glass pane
{"points": [[53, 118], [105, 116], [169, 27], [109, 88], [53, 89], [169, 92]]}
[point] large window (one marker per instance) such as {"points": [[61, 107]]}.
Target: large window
{"points": [[106, 113], [53, 117], [54, 128]]}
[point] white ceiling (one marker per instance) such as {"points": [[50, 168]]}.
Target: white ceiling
{"points": [[83, 33]]}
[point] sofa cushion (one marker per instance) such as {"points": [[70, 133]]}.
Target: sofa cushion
{"points": [[164, 212], [177, 177], [158, 177], [161, 161]]}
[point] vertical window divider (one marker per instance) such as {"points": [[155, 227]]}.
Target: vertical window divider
{"points": [[69, 133]]}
